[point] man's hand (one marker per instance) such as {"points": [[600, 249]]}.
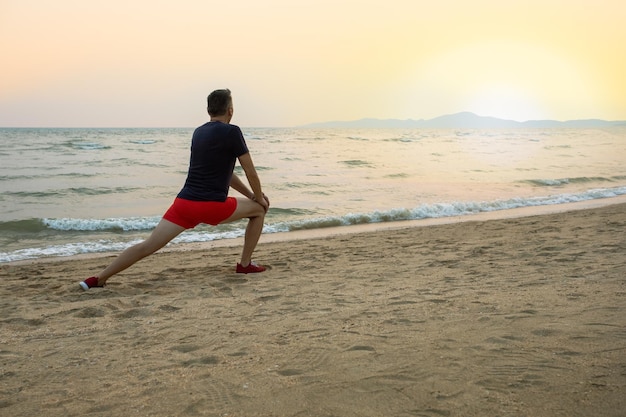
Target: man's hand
{"points": [[264, 202]]}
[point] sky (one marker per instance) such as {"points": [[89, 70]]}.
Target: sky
{"points": [[151, 63]]}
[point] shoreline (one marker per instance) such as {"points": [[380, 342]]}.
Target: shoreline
{"points": [[327, 232]]}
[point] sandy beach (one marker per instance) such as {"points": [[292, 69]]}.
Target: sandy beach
{"points": [[512, 317]]}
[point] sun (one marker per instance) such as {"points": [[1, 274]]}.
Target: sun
{"points": [[505, 101], [506, 79]]}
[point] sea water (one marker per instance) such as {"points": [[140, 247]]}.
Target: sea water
{"points": [[72, 191]]}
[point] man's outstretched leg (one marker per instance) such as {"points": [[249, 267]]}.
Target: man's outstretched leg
{"points": [[163, 233]]}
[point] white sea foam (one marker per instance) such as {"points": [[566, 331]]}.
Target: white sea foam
{"points": [[124, 224], [452, 209], [68, 249], [425, 211]]}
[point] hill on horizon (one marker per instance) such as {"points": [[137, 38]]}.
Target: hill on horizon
{"points": [[465, 120]]}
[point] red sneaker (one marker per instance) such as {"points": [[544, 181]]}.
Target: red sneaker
{"points": [[250, 269], [90, 283]]}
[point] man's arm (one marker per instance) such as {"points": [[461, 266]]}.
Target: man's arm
{"points": [[253, 179], [237, 184]]}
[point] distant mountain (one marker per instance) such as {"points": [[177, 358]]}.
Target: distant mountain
{"points": [[465, 120]]}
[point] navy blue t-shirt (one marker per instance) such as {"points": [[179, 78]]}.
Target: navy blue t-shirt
{"points": [[214, 148]]}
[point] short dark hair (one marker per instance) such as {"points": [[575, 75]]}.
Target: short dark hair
{"points": [[218, 102]]}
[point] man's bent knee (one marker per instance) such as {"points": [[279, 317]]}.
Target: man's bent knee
{"points": [[253, 209], [258, 212]]}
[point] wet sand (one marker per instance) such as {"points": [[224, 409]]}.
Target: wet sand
{"points": [[512, 317]]}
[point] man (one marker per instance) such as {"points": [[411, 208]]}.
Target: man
{"points": [[204, 198]]}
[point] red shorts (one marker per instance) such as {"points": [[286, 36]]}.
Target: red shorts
{"points": [[189, 214]]}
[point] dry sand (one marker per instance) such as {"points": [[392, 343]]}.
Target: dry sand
{"points": [[512, 317]]}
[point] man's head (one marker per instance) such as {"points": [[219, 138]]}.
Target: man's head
{"points": [[219, 102]]}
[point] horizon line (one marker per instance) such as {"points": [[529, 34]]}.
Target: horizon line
{"points": [[469, 113]]}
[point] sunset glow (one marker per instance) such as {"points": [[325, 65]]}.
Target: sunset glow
{"points": [[147, 63]]}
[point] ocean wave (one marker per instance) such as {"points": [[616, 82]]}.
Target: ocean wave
{"points": [[106, 245], [563, 181], [356, 163], [120, 224], [26, 226], [239, 170], [234, 230], [23, 226], [87, 146], [439, 210], [46, 175], [68, 249], [280, 212], [143, 141], [425, 211], [72, 190], [111, 224]]}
